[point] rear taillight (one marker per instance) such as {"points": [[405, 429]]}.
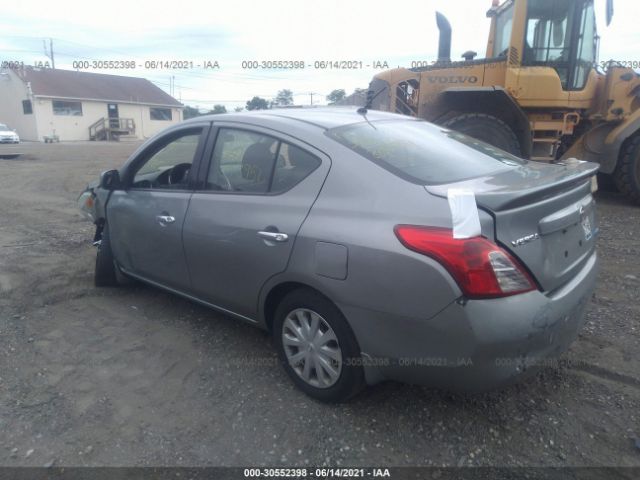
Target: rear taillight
{"points": [[481, 268]]}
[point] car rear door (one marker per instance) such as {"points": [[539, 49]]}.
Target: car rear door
{"points": [[146, 216], [242, 222]]}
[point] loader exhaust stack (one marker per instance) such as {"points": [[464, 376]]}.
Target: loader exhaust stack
{"points": [[444, 44]]}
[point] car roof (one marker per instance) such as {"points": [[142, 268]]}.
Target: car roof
{"points": [[320, 117]]}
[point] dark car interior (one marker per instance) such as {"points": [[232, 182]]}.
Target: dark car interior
{"points": [[168, 167], [175, 177]]}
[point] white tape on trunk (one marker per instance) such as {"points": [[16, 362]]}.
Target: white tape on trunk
{"points": [[464, 211]]}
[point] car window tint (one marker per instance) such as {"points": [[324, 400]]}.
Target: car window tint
{"points": [[169, 167], [293, 165], [242, 161], [423, 153]]}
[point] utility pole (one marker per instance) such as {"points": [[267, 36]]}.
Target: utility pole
{"points": [[311, 93], [49, 52]]}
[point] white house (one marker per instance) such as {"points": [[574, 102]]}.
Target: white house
{"points": [[71, 105]]}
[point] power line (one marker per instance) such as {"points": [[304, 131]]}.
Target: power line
{"points": [[235, 77], [219, 101], [22, 51]]}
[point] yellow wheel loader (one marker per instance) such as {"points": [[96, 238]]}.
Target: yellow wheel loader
{"points": [[539, 93]]}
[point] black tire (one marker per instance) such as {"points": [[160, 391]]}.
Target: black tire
{"points": [[351, 378], [105, 273], [606, 183], [627, 172], [487, 128]]}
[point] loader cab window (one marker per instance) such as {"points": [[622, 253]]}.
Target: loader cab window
{"points": [[407, 97], [504, 25], [561, 35], [586, 48]]}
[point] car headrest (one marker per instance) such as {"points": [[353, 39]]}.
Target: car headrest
{"points": [[257, 162]]}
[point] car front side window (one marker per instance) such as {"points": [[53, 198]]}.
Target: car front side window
{"points": [[169, 164]]}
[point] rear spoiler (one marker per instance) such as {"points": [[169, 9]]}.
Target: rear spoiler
{"points": [[529, 191]]}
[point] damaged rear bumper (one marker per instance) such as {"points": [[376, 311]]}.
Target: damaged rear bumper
{"points": [[482, 344]]}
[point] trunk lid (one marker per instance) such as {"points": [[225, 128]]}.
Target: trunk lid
{"points": [[544, 215]]}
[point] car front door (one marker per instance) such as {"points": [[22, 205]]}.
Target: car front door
{"points": [[146, 216], [243, 219]]}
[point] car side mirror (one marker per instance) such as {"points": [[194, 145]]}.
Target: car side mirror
{"points": [[110, 180]]}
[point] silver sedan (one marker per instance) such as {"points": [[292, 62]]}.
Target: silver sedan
{"points": [[372, 246]]}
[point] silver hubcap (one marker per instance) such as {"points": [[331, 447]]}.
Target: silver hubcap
{"points": [[312, 348]]}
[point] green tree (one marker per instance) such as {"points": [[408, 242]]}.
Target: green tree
{"points": [[190, 112], [218, 109], [284, 98], [336, 95], [257, 103], [238, 109]]}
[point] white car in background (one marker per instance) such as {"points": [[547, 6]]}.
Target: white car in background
{"points": [[7, 135]]}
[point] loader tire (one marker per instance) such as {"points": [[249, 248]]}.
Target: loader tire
{"points": [[627, 172], [487, 128]]}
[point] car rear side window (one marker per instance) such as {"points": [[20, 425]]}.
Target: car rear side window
{"points": [[293, 165], [423, 153], [245, 161]]}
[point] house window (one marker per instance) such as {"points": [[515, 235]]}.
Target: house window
{"points": [[27, 109], [67, 108], [160, 113]]}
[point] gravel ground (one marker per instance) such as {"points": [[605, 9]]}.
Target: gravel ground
{"points": [[136, 376]]}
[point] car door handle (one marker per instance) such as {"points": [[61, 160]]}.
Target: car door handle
{"points": [[165, 219], [274, 236]]}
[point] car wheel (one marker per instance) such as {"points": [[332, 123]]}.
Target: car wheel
{"points": [[627, 172], [317, 347], [105, 274], [487, 128]]}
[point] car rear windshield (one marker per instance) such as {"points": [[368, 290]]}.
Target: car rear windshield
{"points": [[423, 153]]}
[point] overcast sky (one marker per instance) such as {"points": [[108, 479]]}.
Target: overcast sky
{"points": [[232, 31]]}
